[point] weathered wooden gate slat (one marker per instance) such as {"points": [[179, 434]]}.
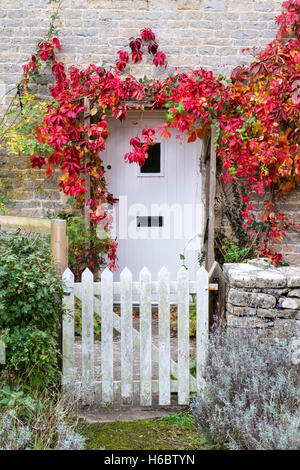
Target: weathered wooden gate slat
{"points": [[168, 369], [107, 364], [145, 338], [68, 327], [126, 338], [164, 337], [87, 306], [202, 326], [183, 337]]}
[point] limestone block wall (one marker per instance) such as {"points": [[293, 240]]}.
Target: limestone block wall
{"points": [[262, 296], [192, 33], [29, 192]]}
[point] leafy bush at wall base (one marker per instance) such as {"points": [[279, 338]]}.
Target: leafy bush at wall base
{"points": [[30, 306], [251, 398]]}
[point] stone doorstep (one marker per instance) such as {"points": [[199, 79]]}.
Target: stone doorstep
{"points": [[106, 414]]}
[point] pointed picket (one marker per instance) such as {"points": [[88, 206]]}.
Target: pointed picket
{"points": [[126, 337], [164, 336], [68, 328], [87, 281], [202, 326], [107, 336], [145, 338], [183, 336]]}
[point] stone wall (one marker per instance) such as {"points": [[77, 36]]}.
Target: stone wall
{"points": [[262, 296], [30, 193], [196, 33]]}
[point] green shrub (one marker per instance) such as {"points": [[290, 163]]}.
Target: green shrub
{"points": [[30, 306]]}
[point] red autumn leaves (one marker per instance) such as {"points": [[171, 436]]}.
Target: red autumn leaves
{"points": [[46, 51], [138, 46], [122, 61], [140, 149], [256, 116]]}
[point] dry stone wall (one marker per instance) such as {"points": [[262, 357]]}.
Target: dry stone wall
{"points": [[262, 296]]}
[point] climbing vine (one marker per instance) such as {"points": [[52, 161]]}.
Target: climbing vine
{"points": [[255, 113]]}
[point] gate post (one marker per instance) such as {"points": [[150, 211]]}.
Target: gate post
{"points": [[59, 245], [59, 252]]}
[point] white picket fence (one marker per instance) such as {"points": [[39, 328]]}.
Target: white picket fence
{"points": [[99, 297]]}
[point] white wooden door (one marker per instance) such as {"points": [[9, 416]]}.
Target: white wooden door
{"points": [[169, 201]]}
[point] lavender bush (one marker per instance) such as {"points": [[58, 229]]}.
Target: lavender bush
{"points": [[16, 436], [13, 435], [46, 422], [251, 397]]}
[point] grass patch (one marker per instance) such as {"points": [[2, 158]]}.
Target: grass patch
{"points": [[171, 432]]}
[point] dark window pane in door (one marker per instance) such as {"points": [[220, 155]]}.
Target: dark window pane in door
{"points": [[149, 221], [153, 162]]}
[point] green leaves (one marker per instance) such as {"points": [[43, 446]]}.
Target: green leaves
{"points": [[12, 113], [235, 254], [180, 108], [232, 171], [30, 306], [144, 80], [169, 116]]}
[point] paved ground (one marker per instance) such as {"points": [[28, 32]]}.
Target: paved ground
{"points": [[98, 413]]}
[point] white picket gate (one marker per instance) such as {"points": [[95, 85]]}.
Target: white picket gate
{"points": [[99, 297]]}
